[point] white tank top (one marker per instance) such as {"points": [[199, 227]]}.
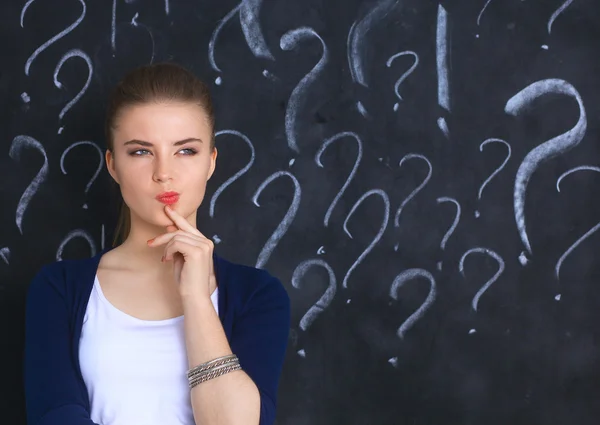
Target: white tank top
{"points": [[134, 369]]}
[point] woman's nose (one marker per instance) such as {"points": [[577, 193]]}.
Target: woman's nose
{"points": [[162, 170]]}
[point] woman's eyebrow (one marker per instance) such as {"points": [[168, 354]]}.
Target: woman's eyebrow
{"points": [[145, 143]]}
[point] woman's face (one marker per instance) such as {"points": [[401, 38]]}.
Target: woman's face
{"points": [[160, 147]]}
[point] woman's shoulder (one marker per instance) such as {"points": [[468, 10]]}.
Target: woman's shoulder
{"points": [[59, 274]]}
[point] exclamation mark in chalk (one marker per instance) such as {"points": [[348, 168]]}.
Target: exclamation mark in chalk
{"points": [[442, 67]]}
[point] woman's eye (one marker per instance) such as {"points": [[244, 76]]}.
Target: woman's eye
{"points": [[190, 151], [135, 153]]}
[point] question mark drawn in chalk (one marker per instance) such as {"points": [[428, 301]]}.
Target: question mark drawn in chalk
{"points": [[19, 144], [450, 231], [481, 13], [399, 282], [135, 23], [100, 164], [494, 278], [248, 13], [289, 41], [405, 75], [355, 44], [58, 36], [72, 53], [386, 216], [417, 189], [359, 153], [285, 223], [213, 41], [496, 171], [589, 232], [327, 297], [237, 175], [77, 233], [557, 13], [547, 150], [249, 19], [553, 18], [5, 256]]}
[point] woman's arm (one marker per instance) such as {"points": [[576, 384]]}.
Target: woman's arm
{"points": [[53, 393], [259, 340]]}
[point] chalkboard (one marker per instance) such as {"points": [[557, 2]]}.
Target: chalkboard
{"points": [[421, 175]]}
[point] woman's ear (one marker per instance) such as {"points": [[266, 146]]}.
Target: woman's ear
{"points": [[110, 164], [213, 163]]}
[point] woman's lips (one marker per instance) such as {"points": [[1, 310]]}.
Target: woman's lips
{"points": [[168, 197]]}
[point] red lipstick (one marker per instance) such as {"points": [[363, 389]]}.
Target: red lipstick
{"points": [[168, 197]]}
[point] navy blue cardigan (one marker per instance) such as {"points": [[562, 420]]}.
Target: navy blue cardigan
{"points": [[254, 309]]}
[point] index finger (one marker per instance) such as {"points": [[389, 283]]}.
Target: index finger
{"points": [[179, 221]]}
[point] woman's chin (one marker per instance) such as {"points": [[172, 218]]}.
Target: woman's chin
{"points": [[159, 217], [158, 220]]}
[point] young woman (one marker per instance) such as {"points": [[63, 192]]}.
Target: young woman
{"points": [[157, 329]]}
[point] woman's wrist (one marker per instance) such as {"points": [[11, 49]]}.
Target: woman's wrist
{"points": [[198, 289], [194, 296]]}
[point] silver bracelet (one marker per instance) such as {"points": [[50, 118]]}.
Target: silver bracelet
{"points": [[212, 363], [213, 373], [201, 376], [202, 370]]}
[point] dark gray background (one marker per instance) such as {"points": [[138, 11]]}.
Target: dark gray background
{"points": [[527, 355]]}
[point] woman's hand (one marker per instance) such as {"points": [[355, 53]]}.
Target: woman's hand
{"points": [[192, 255]]}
